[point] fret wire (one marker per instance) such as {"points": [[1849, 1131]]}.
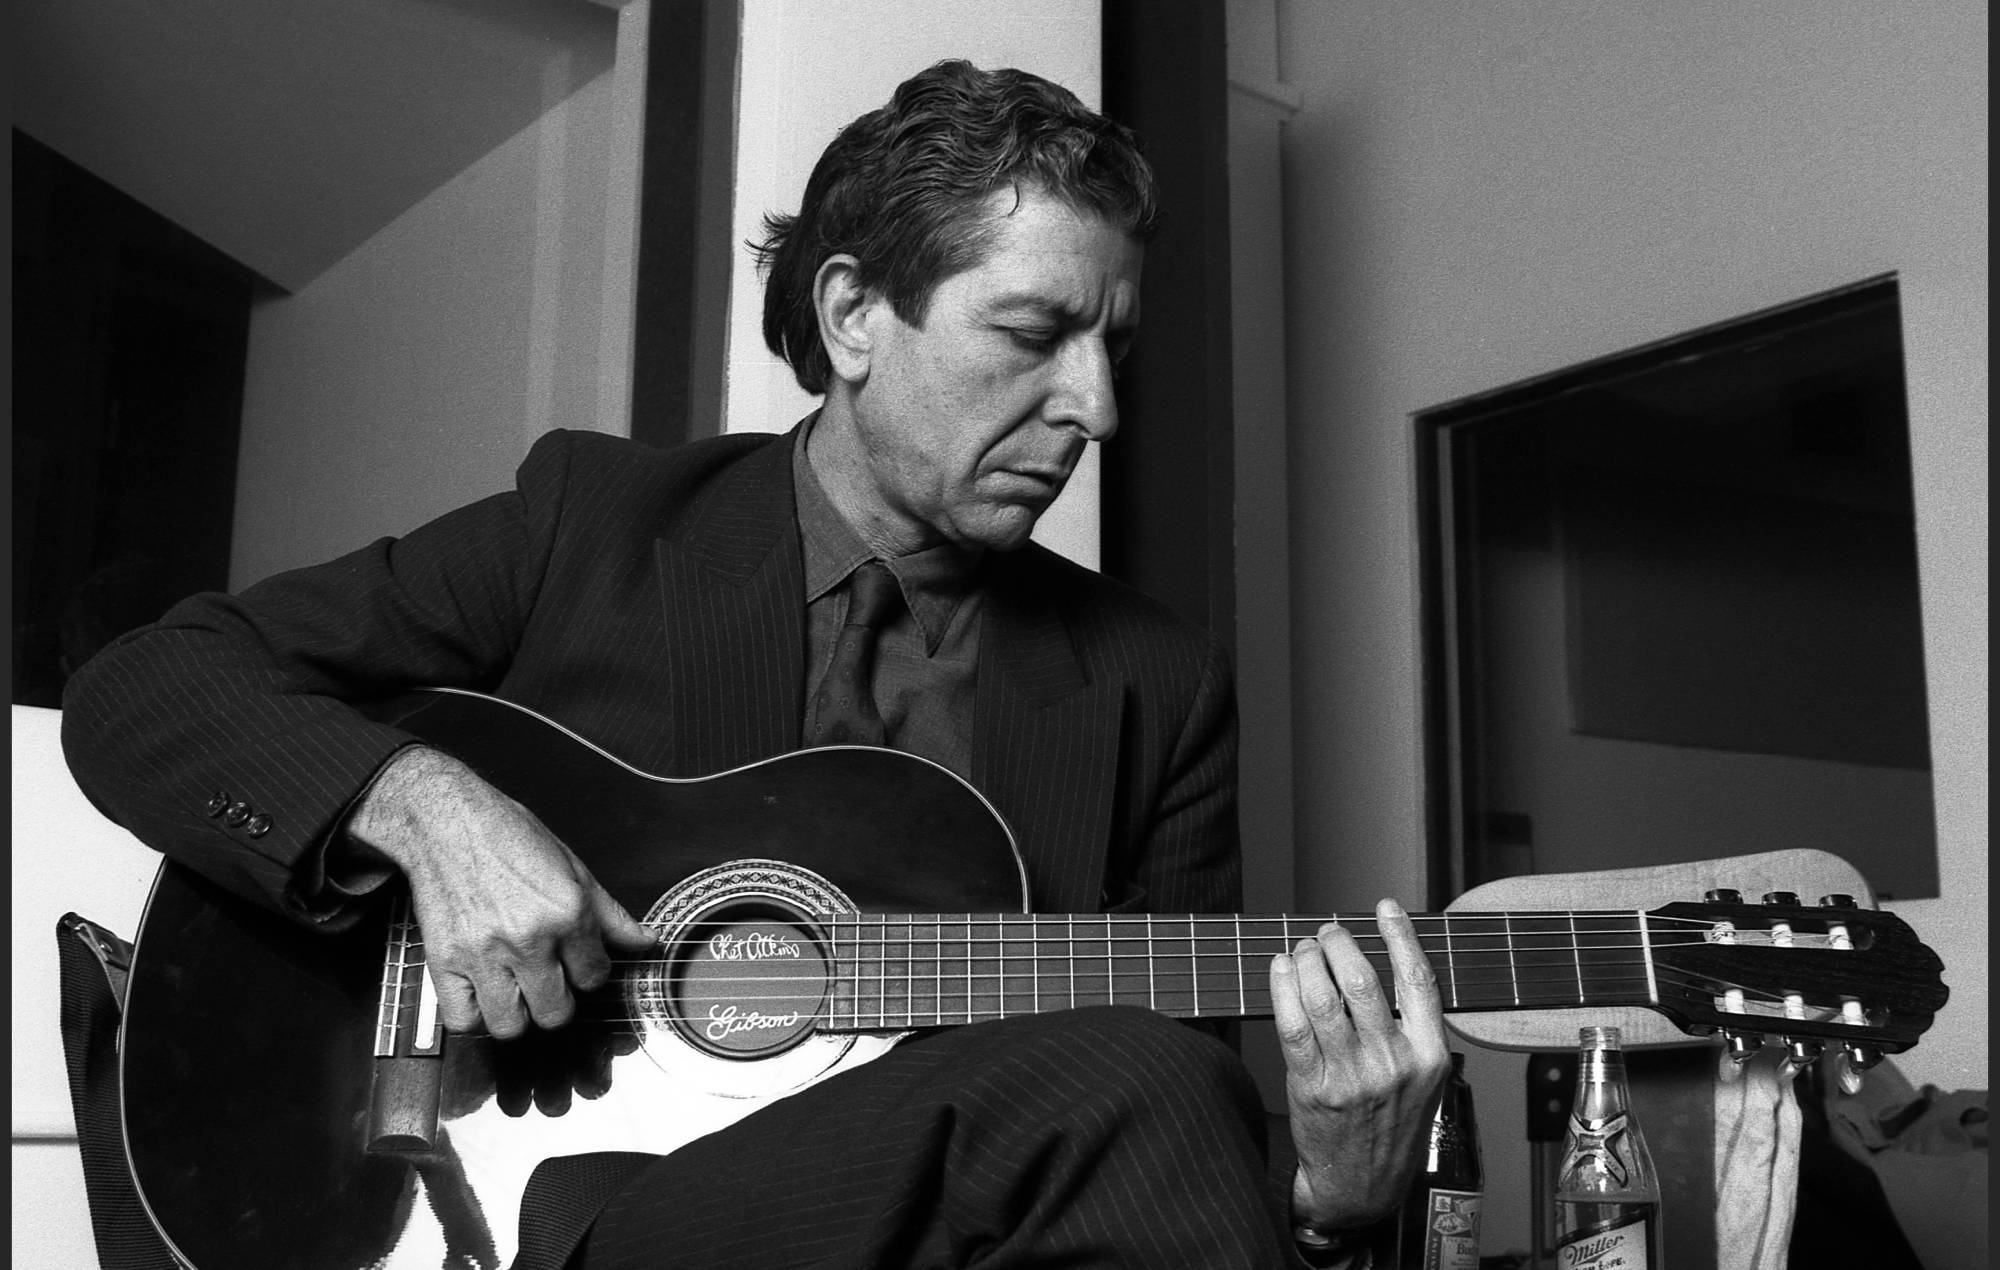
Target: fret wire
{"points": [[1452, 962], [1071, 923], [1195, 969], [1508, 923], [1111, 965], [1645, 933], [1152, 964], [1036, 978], [1576, 955], [1241, 988], [1003, 969]]}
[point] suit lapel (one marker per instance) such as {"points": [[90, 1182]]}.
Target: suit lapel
{"points": [[732, 591], [1046, 743]]}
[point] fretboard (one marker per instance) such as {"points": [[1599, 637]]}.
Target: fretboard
{"points": [[896, 970]]}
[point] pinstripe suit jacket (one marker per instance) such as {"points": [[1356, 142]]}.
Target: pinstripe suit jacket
{"points": [[653, 602]]}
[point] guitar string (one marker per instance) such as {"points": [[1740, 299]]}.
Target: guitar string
{"points": [[951, 928], [1171, 946], [956, 929], [842, 1018], [856, 929], [959, 1004], [732, 988], [953, 1012]]}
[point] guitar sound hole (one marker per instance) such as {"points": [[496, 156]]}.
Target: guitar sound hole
{"points": [[747, 982]]}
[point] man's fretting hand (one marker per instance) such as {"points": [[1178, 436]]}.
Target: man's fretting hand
{"points": [[1359, 1080], [512, 920]]}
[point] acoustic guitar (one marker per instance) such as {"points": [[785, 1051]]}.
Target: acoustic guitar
{"points": [[290, 1100]]}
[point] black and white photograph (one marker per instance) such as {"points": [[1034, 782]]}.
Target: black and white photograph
{"points": [[999, 635]]}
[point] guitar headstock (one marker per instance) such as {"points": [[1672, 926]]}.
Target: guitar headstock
{"points": [[1808, 975]]}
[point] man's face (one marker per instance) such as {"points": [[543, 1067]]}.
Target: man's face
{"points": [[970, 425]]}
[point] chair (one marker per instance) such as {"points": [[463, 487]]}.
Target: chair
{"points": [[67, 858]]}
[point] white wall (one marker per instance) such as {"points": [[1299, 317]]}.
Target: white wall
{"points": [[1480, 193], [412, 376], [809, 67]]}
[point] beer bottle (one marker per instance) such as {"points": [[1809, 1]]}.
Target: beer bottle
{"points": [[1607, 1194], [1439, 1224]]}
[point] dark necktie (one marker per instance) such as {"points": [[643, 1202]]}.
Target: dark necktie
{"points": [[844, 708]]}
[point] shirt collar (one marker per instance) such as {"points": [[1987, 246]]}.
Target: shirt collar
{"points": [[934, 581]]}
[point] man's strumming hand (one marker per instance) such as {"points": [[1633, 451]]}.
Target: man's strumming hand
{"points": [[512, 920]]}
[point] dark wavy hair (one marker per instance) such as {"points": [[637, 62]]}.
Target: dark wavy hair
{"points": [[902, 190]]}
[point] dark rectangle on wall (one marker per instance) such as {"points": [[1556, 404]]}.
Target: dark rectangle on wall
{"points": [[1703, 615]]}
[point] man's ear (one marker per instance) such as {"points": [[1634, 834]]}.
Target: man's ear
{"points": [[845, 308]]}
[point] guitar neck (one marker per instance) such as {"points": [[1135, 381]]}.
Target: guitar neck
{"points": [[898, 970]]}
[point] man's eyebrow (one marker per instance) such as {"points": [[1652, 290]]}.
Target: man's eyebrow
{"points": [[1035, 301], [1042, 305]]}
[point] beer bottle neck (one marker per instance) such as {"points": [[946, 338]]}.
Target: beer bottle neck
{"points": [[1600, 1084]]}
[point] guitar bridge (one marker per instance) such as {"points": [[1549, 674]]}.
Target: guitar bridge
{"points": [[403, 1109]]}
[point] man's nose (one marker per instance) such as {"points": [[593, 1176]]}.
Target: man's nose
{"points": [[1083, 396]]}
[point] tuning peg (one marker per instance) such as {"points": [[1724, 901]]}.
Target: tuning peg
{"points": [[1723, 895], [1743, 1046], [1803, 1052], [1837, 901], [1781, 897], [1854, 1060]]}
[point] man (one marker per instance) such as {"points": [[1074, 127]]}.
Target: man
{"points": [[960, 283]]}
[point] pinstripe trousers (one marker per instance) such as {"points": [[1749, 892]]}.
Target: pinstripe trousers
{"points": [[1100, 1137]]}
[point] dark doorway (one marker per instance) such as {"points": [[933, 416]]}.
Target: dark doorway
{"points": [[129, 339], [1168, 492]]}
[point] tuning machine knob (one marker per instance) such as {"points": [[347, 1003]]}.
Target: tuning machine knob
{"points": [[1742, 1046], [1803, 1052], [1854, 1060]]}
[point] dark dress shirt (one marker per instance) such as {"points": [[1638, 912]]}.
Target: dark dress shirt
{"points": [[926, 657]]}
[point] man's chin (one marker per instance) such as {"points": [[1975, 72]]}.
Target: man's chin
{"points": [[1007, 527]]}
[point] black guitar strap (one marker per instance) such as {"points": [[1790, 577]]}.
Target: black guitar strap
{"points": [[92, 969]]}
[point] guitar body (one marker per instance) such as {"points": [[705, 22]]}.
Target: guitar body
{"points": [[248, 1044]]}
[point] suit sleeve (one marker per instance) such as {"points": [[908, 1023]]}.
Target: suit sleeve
{"points": [[221, 735]]}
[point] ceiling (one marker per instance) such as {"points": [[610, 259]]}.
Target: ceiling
{"points": [[287, 135]]}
